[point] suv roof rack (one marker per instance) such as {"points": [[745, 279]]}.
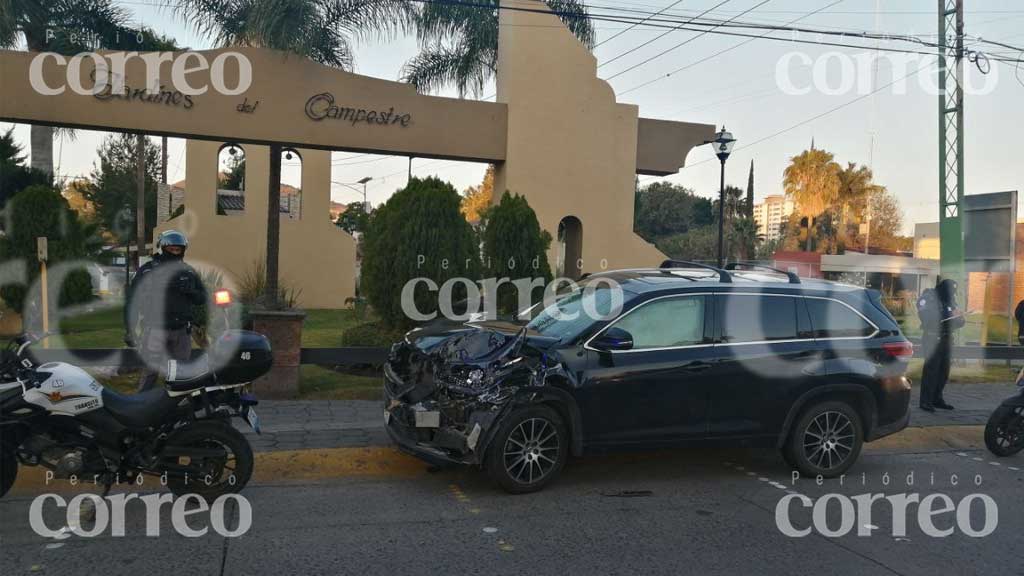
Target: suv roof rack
{"points": [[793, 278], [723, 275]]}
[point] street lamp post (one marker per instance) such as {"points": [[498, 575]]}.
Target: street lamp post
{"points": [[724, 143], [366, 206]]}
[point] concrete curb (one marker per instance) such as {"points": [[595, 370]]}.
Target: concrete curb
{"points": [[384, 461]]}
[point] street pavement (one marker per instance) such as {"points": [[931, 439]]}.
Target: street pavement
{"points": [[680, 512], [686, 511]]}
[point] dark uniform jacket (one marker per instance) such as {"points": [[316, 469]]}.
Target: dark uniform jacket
{"points": [[163, 293]]}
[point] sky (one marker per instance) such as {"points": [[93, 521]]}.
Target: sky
{"points": [[894, 131]]}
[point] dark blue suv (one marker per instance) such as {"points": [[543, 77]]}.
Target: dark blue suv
{"points": [[653, 357]]}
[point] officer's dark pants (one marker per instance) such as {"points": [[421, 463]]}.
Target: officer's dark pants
{"points": [[157, 347], [937, 351]]}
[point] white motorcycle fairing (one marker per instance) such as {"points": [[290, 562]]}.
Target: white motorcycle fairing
{"points": [[68, 391]]}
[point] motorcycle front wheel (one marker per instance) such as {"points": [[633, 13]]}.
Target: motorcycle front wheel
{"points": [[207, 458], [1004, 433]]}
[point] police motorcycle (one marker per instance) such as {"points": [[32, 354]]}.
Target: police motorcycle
{"points": [[57, 416], [1004, 433]]}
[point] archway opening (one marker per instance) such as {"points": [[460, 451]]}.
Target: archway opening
{"points": [[231, 180], [570, 248]]}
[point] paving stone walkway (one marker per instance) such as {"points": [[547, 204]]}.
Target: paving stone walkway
{"points": [[299, 425]]}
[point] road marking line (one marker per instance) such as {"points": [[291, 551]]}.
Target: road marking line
{"points": [[1014, 468], [976, 459], [961, 454], [763, 479], [995, 463], [751, 474]]}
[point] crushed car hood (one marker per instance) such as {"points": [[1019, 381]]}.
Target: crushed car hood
{"points": [[465, 358]]}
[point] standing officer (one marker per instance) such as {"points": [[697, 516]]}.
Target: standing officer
{"points": [[940, 317], [161, 298]]}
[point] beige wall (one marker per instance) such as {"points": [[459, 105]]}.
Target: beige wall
{"points": [[316, 256], [571, 148]]}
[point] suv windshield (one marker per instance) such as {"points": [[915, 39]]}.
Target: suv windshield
{"points": [[574, 312]]}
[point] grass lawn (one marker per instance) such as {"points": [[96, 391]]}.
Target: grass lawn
{"points": [[315, 383], [318, 383], [104, 328], [969, 372], [970, 333]]}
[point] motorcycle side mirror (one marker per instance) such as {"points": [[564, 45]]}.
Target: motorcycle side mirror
{"points": [[614, 339]]}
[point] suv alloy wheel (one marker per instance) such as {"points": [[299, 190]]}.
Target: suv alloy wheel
{"points": [[529, 450], [826, 440]]}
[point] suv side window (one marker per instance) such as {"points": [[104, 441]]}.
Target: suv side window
{"points": [[832, 319], [757, 317], [666, 323]]}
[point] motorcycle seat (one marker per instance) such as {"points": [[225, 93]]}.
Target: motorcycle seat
{"points": [[142, 410], [186, 376]]}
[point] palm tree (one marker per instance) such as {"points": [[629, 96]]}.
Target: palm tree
{"points": [[27, 23], [744, 238], [459, 43], [316, 29], [856, 189], [812, 181], [320, 30]]}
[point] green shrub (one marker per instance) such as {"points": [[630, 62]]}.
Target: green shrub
{"points": [[418, 233], [41, 211], [515, 247], [373, 334], [77, 288]]}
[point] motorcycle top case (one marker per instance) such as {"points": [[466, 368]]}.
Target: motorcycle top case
{"points": [[240, 356]]}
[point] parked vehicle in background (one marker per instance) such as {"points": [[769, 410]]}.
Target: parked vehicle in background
{"points": [[810, 367]]}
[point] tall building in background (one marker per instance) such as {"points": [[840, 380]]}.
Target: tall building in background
{"points": [[770, 214]]}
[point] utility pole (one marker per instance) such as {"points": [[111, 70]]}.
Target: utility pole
{"points": [[951, 137], [140, 200]]}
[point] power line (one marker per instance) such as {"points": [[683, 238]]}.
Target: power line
{"points": [[659, 37], [719, 53], [632, 26]]}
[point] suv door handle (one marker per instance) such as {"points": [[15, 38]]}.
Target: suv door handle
{"points": [[696, 366]]}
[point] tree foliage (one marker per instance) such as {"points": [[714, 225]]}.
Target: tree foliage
{"points": [[354, 218], [459, 43], [477, 199], [317, 29], [14, 175], [515, 247], [40, 211], [418, 233], [233, 177], [698, 244], [837, 214], [113, 186], [665, 209]]}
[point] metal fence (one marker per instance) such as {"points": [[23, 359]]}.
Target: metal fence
{"points": [[130, 359], [377, 356]]}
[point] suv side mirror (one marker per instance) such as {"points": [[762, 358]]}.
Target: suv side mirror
{"points": [[614, 339]]}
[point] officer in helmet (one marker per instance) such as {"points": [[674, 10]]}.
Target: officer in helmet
{"points": [[159, 307]]}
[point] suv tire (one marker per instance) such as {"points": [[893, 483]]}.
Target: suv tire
{"points": [[529, 450], [826, 440]]}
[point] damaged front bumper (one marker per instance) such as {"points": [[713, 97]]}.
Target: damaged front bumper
{"points": [[442, 430]]}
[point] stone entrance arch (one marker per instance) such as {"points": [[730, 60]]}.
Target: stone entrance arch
{"points": [[557, 134]]}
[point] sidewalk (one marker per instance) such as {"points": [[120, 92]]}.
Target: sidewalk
{"points": [[308, 425]]}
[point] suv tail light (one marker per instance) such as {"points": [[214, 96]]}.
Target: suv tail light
{"points": [[901, 350]]}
